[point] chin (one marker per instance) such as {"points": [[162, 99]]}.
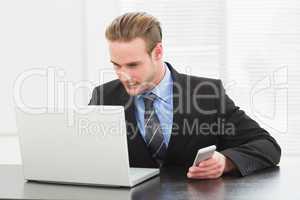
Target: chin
{"points": [[133, 92]]}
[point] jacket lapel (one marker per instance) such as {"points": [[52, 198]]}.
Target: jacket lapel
{"points": [[137, 149], [178, 140], [139, 155]]}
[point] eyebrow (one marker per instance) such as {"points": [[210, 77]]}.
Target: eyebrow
{"points": [[127, 64]]}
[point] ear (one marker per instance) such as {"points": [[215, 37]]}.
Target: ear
{"points": [[157, 52]]}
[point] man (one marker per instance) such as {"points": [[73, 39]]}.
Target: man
{"points": [[169, 116]]}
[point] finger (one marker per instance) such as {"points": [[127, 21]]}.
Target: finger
{"points": [[207, 163], [210, 174], [195, 169], [216, 169]]}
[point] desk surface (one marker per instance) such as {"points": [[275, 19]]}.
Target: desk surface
{"points": [[275, 183]]}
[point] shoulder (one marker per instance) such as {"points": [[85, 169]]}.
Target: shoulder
{"points": [[107, 93], [109, 87], [192, 80], [199, 84]]}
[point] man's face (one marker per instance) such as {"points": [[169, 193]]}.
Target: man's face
{"points": [[137, 70]]}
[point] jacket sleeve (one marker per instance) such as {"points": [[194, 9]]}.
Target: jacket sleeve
{"points": [[98, 95], [249, 146], [95, 97]]}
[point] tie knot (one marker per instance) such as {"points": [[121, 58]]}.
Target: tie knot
{"points": [[148, 100]]}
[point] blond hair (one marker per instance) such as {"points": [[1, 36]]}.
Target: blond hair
{"points": [[134, 25]]}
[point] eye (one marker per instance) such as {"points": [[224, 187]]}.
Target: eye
{"points": [[132, 65]]}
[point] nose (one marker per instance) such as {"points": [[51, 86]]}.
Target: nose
{"points": [[123, 75]]}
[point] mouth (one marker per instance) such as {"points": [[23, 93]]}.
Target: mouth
{"points": [[132, 85]]}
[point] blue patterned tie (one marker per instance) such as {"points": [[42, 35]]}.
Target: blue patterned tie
{"points": [[153, 132]]}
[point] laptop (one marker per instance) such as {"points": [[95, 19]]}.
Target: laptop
{"points": [[78, 146]]}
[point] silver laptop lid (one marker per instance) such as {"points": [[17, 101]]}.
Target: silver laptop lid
{"points": [[83, 146]]}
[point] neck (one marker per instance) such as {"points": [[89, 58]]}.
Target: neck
{"points": [[160, 73]]}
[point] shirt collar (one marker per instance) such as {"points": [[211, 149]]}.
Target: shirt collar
{"points": [[164, 89]]}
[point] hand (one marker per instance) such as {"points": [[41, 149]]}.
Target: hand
{"points": [[211, 168]]}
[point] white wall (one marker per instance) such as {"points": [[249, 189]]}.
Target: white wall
{"points": [[37, 34], [66, 35], [263, 48], [98, 16]]}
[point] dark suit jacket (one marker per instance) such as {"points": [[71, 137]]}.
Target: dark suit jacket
{"points": [[203, 115]]}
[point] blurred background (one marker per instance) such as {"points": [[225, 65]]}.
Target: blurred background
{"points": [[53, 52]]}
